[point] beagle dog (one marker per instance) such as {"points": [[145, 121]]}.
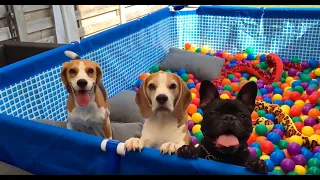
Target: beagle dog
{"points": [[87, 106], [162, 99]]}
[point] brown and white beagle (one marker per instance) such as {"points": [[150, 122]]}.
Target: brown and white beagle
{"points": [[162, 99], [87, 106]]}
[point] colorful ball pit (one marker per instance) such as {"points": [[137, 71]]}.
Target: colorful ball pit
{"points": [[297, 94]]}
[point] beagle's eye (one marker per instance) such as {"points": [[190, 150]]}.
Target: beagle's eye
{"points": [[172, 86], [152, 87], [90, 71], [72, 71]]}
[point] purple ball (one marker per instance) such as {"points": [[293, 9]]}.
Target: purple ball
{"points": [[310, 90], [305, 65], [194, 140], [266, 96], [260, 81], [220, 87], [309, 121], [308, 104], [235, 79], [304, 85], [287, 165], [219, 53], [278, 131], [292, 72], [293, 148], [306, 109], [220, 91], [286, 61], [228, 66], [269, 88], [190, 124], [252, 152], [195, 81], [260, 85], [299, 159], [316, 149], [247, 61], [135, 89], [238, 62]]}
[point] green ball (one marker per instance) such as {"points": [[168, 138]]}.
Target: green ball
{"points": [[230, 76], [227, 88], [249, 50], [296, 119], [275, 147], [199, 136], [318, 103], [313, 171], [261, 129], [290, 89], [184, 77], [284, 74], [276, 171], [283, 144], [259, 66], [295, 60], [275, 85], [298, 89], [305, 78], [313, 85], [292, 173], [235, 93], [306, 71], [168, 70], [263, 65], [155, 68], [198, 50], [259, 93], [261, 113], [258, 151], [283, 80], [313, 162], [318, 107]]}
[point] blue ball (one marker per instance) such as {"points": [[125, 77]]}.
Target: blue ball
{"points": [[138, 83], [279, 102], [176, 73], [232, 65], [299, 74], [200, 111], [289, 102], [316, 155], [268, 100], [233, 61], [296, 83], [208, 54], [277, 156], [306, 152], [277, 91], [263, 91], [246, 75], [313, 82], [318, 79], [181, 71], [279, 126], [262, 57], [251, 56], [191, 85], [269, 164], [270, 116], [255, 144], [313, 64], [274, 137]]}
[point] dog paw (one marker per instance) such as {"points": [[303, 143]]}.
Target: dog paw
{"points": [[188, 151], [133, 144], [258, 165], [168, 148]]}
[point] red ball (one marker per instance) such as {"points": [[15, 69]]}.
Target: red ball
{"points": [[313, 98], [191, 76], [316, 127], [312, 75], [237, 75], [285, 98], [250, 141], [294, 95], [299, 125], [196, 101], [266, 146], [233, 97], [295, 111], [304, 97], [259, 98], [198, 86]]}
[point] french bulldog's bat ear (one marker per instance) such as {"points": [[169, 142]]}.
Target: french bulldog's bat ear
{"points": [[247, 95], [208, 92]]}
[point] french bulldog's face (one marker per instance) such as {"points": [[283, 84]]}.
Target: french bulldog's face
{"points": [[227, 124]]}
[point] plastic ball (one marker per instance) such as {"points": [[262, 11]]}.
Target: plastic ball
{"points": [[287, 165], [314, 113], [300, 170], [306, 153], [277, 156], [278, 131], [270, 116], [293, 148], [191, 109], [295, 111], [269, 164], [313, 64], [194, 140], [252, 152], [187, 46], [258, 151], [191, 85], [198, 50], [307, 131], [285, 109], [313, 171], [199, 136], [190, 124], [309, 121], [267, 147], [292, 173], [184, 77], [196, 118], [264, 157], [273, 137], [314, 162], [261, 129], [138, 83], [299, 103], [296, 139], [224, 96], [279, 126], [299, 159], [200, 111], [317, 72], [276, 171], [316, 149], [196, 128], [155, 68], [255, 144]]}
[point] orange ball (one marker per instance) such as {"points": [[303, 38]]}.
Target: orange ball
{"points": [[317, 132], [284, 85], [229, 57], [235, 87], [243, 82], [286, 153], [313, 113], [238, 57], [259, 139], [187, 46], [287, 93], [189, 81], [143, 76], [225, 82], [254, 136], [295, 77], [193, 90], [198, 86], [295, 111], [259, 98], [224, 54], [192, 109], [255, 62], [312, 75], [254, 115]]}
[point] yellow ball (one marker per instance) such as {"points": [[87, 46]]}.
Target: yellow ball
{"points": [[317, 72], [285, 109], [304, 92], [300, 170], [307, 130], [276, 97], [189, 117], [289, 79], [318, 90], [295, 138], [307, 101], [286, 88], [299, 103], [196, 118], [315, 137], [224, 96], [244, 55], [204, 49], [193, 95], [196, 128], [193, 48], [264, 157], [254, 79], [303, 117]]}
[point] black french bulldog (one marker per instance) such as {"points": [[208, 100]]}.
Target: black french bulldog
{"points": [[226, 127]]}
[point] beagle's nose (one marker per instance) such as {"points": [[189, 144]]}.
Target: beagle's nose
{"points": [[161, 98], [82, 83]]}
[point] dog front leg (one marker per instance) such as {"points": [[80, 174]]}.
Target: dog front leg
{"points": [[137, 143], [107, 126], [254, 164], [188, 151]]}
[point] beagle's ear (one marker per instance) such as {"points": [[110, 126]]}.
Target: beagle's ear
{"points": [[99, 73], [143, 101], [64, 76], [183, 100]]}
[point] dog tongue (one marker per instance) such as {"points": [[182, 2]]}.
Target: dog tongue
{"points": [[227, 140], [83, 98]]}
